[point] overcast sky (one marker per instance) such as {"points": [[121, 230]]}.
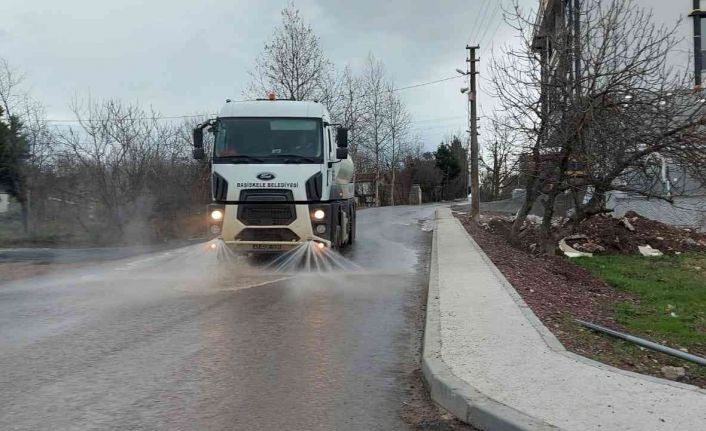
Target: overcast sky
{"points": [[186, 57]]}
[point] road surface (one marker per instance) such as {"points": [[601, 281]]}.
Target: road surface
{"points": [[79, 255], [172, 341]]}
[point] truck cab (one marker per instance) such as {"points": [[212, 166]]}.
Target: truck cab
{"points": [[280, 176]]}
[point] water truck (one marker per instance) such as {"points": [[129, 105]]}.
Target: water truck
{"points": [[281, 176]]}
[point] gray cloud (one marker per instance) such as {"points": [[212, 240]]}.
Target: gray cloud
{"points": [[184, 56]]}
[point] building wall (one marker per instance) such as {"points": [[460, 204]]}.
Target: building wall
{"points": [[672, 13], [676, 13]]}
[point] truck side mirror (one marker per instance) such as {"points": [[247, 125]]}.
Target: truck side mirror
{"points": [[341, 153], [342, 137], [198, 153], [198, 137]]}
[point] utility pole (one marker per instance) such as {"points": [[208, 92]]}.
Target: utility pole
{"points": [[473, 99], [577, 47], [697, 14]]}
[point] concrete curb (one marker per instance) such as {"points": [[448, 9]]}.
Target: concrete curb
{"points": [[455, 395]]}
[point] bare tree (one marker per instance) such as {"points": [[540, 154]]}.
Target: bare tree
{"points": [[347, 108], [596, 104], [398, 123], [376, 132], [11, 94], [517, 83], [136, 171], [499, 160], [292, 65]]}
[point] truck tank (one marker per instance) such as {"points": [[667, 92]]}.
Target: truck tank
{"points": [[345, 171]]}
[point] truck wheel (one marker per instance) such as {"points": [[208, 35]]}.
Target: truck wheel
{"points": [[351, 228], [336, 243]]}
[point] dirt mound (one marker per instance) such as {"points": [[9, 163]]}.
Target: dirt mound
{"points": [[607, 234]]}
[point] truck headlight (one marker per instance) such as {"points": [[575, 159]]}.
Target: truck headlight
{"points": [[321, 229], [215, 229], [319, 214], [217, 215]]}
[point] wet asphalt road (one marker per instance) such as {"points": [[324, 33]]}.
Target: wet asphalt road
{"points": [[80, 255], [171, 341]]}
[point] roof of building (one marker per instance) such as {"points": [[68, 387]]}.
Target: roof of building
{"points": [[274, 108]]}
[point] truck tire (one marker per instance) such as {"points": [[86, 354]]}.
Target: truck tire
{"points": [[339, 235], [353, 219]]}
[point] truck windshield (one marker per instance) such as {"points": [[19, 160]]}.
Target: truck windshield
{"points": [[253, 139]]}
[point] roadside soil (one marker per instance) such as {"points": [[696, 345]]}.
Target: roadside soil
{"points": [[558, 292]]}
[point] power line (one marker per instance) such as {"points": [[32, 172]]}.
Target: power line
{"points": [[427, 83], [487, 21], [425, 120], [497, 27], [493, 16], [500, 21], [176, 117], [440, 126], [478, 21]]}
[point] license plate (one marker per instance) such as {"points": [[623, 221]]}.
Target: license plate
{"points": [[267, 246]]}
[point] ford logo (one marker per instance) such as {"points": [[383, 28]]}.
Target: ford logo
{"points": [[266, 176]]}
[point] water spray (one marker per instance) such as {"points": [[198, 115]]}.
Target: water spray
{"points": [[312, 256]]}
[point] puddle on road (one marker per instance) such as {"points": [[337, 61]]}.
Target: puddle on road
{"points": [[426, 225]]}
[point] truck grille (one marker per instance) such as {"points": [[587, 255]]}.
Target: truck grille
{"points": [[267, 215], [267, 234], [268, 208]]}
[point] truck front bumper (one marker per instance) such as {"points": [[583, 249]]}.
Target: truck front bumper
{"points": [[269, 246], [241, 236]]}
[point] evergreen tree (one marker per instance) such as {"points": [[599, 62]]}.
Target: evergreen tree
{"points": [[447, 162], [13, 152]]}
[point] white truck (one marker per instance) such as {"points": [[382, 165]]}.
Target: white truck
{"points": [[280, 176]]}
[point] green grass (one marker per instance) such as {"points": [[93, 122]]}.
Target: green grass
{"points": [[671, 293]]}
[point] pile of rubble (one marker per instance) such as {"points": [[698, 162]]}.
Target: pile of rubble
{"points": [[605, 234], [633, 234]]}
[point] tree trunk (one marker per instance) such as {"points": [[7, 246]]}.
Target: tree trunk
{"points": [[522, 213], [392, 189], [27, 211], [548, 241], [531, 191], [595, 205], [531, 194]]}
